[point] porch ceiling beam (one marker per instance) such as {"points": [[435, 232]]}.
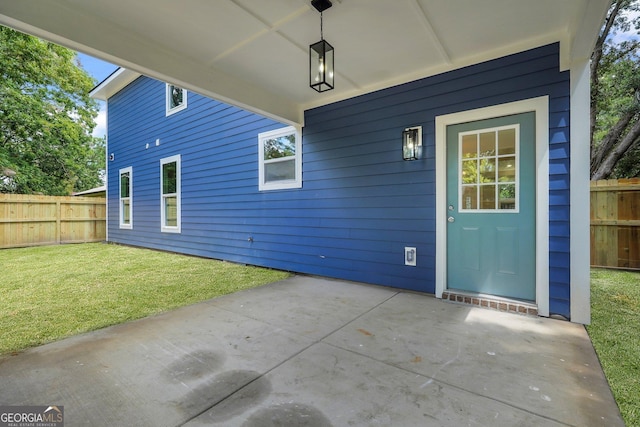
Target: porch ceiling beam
{"points": [[431, 32], [267, 29]]}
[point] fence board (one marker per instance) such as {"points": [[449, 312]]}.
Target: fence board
{"points": [[615, 223], [28, 220]]}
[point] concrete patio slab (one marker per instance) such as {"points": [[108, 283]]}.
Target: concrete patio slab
{"points": [[509, 358], [326, 385], [317, 352]]}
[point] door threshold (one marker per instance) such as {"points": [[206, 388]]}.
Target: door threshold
{"points": [[491, 302]]}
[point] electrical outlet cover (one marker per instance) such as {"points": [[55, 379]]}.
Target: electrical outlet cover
{"points": [[410, 256]]}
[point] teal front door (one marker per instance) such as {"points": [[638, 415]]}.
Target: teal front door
{"points": [[491, 197]]}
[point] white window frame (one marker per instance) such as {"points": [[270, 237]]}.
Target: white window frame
{"points": [[169, 110], [121, 199], [171, 228], [497, 156], [284, 184]]}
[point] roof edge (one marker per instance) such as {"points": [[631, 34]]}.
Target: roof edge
{"points": [[113, 84]]}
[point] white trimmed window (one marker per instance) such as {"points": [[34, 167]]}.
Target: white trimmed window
{"points": [[176, 99], [126, 198], [170, 194], [489, 171], [280, 159]]}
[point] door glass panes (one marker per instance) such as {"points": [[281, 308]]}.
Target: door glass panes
{"points": [[489, 169], [469, 197], [470, 171], [487, 144], [487, 197], [507, 140], [469, 147]]}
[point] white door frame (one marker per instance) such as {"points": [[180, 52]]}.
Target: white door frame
{"points": [[540, 106]]}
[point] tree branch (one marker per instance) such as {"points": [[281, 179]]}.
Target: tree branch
{"points": [[609, 141], [596, 57], [606, 166]]}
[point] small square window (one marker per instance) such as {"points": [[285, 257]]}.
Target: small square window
{"points": [[176, 99], [280, 159]]}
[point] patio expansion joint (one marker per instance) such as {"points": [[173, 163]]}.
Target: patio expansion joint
{"points": [[428, 379], [433, 378], [293, 355]]}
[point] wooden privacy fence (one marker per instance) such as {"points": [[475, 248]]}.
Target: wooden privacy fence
{"points": [[615, 223], [27, 220]]}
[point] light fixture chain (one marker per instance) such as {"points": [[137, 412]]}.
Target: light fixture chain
{"points": [[321, 34]]}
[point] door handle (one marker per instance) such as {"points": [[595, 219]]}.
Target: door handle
{"points": [[451, 219]]}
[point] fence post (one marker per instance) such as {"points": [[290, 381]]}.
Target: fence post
{"points": [[58, 216]]}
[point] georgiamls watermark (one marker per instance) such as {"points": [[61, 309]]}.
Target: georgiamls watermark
{"points": [[32, 416]]}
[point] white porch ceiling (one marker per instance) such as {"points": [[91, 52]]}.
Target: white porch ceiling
{"points": [[254, 53]]}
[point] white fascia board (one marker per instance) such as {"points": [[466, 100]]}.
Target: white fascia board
{"points": [[113, 84], [586, 29]]}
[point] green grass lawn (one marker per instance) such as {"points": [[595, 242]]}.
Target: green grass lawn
{"points": [[53, 292], [615, 333]]}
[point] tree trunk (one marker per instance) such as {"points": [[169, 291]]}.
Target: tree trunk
{"points": [[599, 153], [606, 167]]}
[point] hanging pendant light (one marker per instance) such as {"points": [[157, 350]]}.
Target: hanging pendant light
{"points": [[321, 56]]}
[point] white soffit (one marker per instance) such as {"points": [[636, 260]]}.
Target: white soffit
{"points": [[254, 53]]}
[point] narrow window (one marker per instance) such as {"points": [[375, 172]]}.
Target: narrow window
{"points": [[126, 199], [170, 194], [280, 159], [176, 99]]}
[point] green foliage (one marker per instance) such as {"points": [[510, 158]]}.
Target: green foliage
{"points": [[615, 333], [629, 165], [46, 119], [615, 81], [283, 146], [51, 292]]}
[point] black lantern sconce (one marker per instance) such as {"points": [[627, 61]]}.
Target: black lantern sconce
{"points": [[321, 56], [412, 143]]}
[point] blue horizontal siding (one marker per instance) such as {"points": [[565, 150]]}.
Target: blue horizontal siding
{"points": [[360, 203]]}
